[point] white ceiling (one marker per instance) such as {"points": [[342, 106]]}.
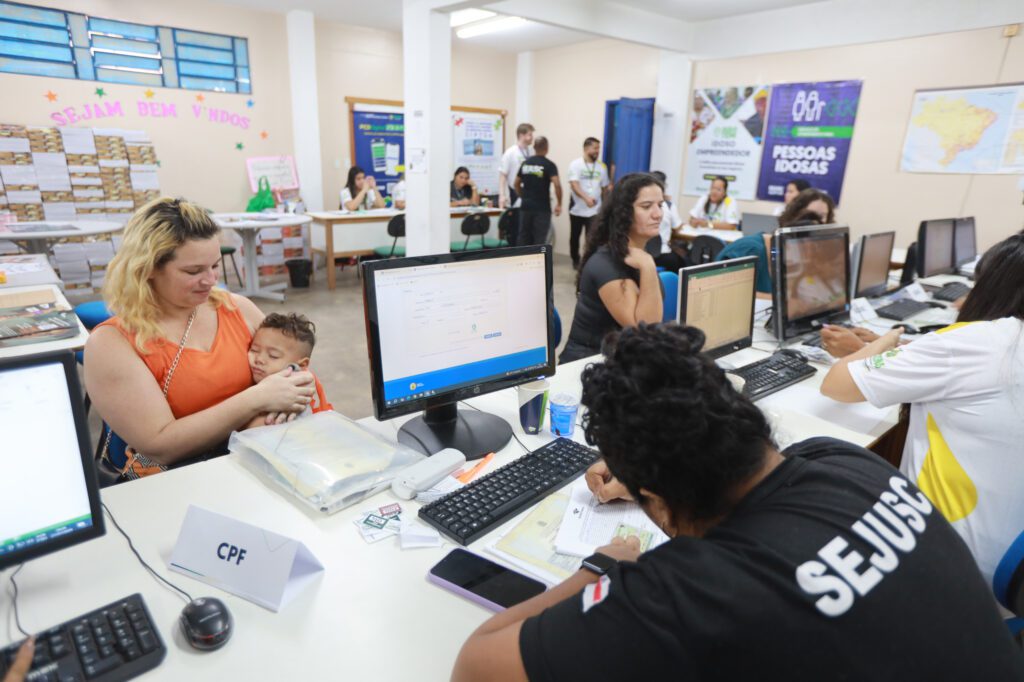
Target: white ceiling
{"points": [[387, 15]]}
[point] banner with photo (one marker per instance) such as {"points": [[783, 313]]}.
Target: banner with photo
{"points": [[478, 145], [726, 130], [810, 126], [378, 144]]}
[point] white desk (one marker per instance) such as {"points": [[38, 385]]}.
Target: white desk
{"points": [[72, 343], [27, 270], [690, 233], [248, 224], [371, 616], [358, 233], [36, 234]]}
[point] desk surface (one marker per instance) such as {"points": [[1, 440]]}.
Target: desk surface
{"points": [[75, 228], [250, 221], [73, 343], [27, 270], [370, 615]]}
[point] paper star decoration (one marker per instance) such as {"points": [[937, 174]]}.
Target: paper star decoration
{"points": [[199, 98], [100, 92], [250, 104], [51, 95], [239, 145], [264, 134], [149, 94]]}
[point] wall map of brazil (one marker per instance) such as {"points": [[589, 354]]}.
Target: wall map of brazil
{"points": [[971, 130]]}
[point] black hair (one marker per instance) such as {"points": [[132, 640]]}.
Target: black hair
{"points": [[718, 178], [460, 169], [660, 176], [540, 144], [292, 325], [591, 140], [798, 206], [666, 419], [999, 283], [612, 226], [799, 183], [351, 182]]}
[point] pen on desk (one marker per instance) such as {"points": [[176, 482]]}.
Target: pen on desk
{"points": [[469, 475]]}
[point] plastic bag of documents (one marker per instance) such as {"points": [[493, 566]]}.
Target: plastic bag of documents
{"points": [[326, 460]]}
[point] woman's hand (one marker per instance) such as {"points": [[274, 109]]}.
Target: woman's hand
{"points": [[603, 485], [840, 341], [22, 661], [369, 182], [622, 549], [638, 259], [287, 391]]}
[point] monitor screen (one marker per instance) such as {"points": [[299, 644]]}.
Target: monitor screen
{"points": [[718, 299], [812, 283], [873, 269], [964, 241], [446, 327], [48, 494], [935, 247]]}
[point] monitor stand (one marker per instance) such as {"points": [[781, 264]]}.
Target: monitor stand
{"points": [[471, 432]]}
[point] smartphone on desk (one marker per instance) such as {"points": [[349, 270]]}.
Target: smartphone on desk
{"points": [[482, 581]]}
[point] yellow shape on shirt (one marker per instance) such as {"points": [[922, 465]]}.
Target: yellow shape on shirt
{"points": [[943, 480]]}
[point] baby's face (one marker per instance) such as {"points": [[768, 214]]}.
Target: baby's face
{"points": [[271, 351]]}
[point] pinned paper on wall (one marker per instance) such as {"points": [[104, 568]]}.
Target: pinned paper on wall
{"points": [[280, 171]]}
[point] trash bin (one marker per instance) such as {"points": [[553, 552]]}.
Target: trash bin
{"points": [[299, 272]]}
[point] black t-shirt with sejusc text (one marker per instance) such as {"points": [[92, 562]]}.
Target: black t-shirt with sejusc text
{"points": [[834, 567], [535, 178]]}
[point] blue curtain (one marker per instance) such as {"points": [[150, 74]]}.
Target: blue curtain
{"points": [[634, 125]]}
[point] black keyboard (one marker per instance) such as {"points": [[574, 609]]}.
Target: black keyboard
{"points": [[951, 292], [772, 374], [113, 643], [481, 506], [902, 309]]}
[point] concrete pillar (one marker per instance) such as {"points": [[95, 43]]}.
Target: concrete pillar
{"points": [[427, 56], [524, 90], [305, 107], [668, 140]]}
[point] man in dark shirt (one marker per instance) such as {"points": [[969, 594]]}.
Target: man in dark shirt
{"points": [[819, 563], [533, 184]]}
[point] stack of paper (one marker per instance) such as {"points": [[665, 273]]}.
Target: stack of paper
{"points": [[587, 524], [72, 265]]}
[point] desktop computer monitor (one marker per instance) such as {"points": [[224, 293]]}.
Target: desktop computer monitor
{"points": [[935, 247], [871, 257], [965, 247], [811, 283], [49, 498], [452, 326], [718, 299]]}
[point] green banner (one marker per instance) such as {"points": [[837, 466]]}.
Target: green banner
{"points": [[844, 132]]}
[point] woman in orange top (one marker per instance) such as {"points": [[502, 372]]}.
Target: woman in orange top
{"points": [[161, 287]]}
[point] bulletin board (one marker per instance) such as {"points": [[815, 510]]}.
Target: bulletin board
{"points": [[377, 141]]}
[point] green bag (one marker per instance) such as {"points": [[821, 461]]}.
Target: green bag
{"points": [[264, 198]]}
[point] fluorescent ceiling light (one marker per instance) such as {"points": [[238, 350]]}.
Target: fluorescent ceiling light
{"points": [[492, 26], [468, 16]]}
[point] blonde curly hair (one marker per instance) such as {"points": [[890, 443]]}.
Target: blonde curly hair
{"points": [[151, 237]]}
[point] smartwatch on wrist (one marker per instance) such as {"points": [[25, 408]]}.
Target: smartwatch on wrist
{"points": [[598, 563]]}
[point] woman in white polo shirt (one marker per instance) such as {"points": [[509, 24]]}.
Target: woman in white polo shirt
{"points": [[965, 386], [716, 208]]}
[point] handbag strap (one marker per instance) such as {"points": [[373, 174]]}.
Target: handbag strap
{"points": [[167, 380]]}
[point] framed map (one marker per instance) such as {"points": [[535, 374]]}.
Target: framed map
{"points": [[967, 130]]}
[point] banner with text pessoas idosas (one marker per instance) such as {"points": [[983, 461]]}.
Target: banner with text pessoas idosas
{"points": [[808, 135]]}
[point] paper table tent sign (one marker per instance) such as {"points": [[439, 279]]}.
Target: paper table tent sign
{"points": [[266, 568]]}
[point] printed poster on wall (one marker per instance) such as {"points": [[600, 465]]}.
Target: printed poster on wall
{"points": [[726, 130], [810, 126], [967, 130], [379, 138], [477, 139]]}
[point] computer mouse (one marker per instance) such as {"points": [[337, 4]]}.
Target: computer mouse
{"points": [[206, 623], [907, 328]]}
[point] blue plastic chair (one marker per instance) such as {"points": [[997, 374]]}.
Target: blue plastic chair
{"points": [[670, 295], [1008, 579], [92, 313], [558, 327]]}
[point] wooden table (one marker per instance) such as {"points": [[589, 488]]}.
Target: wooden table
{"points": [[356, 247]]}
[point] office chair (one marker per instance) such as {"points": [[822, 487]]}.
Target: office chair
{"points": [[229, 251], [557, 324], [396, 229], [1008, 586], [508, 226], [475, 224], [669, 295], [705, 249]]}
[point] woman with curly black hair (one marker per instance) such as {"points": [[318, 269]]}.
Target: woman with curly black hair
{"points": [[820, 563], [618, 283]]}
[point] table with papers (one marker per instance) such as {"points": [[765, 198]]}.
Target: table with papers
{"points": [[371, 614]]}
